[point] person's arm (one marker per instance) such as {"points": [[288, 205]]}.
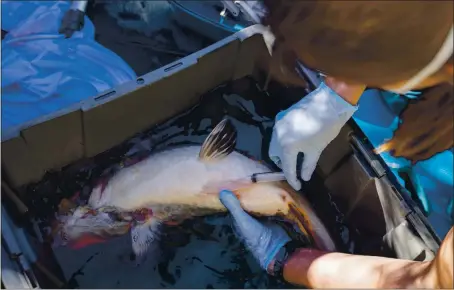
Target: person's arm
{"points": [[318, 269], [350, 92], [442, 267]]}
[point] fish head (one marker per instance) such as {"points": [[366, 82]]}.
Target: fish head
{"points": [[84, 226]]}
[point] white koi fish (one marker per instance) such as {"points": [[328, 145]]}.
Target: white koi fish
{"points": [[170, 186]]}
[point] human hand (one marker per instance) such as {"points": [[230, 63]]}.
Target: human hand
{"points": [[263, 240], [308, 127]]}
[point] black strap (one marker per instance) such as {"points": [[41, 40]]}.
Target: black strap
{"points": [[278, 263]]}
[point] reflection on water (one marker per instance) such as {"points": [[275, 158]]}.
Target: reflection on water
{"points": [[201, 253]]}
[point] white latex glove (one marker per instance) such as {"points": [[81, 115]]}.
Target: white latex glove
{"points": [[308, 127]]}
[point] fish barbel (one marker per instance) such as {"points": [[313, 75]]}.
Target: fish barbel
{"points": [[170, 186]]}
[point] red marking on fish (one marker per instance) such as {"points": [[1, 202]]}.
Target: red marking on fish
{"points": [[86, 240], [103, 184], [91, 212], [142, 214], [75, 196]]}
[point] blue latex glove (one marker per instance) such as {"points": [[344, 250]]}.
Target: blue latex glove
{"points": [[263, 240]]}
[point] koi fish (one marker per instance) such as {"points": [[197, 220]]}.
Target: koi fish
{"points": [[170, 186]]}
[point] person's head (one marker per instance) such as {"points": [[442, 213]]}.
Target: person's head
{"points": [[378, 43], [382, 44]]}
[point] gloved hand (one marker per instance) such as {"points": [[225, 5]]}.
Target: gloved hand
{"points": [[308, 127], [263, 240]]}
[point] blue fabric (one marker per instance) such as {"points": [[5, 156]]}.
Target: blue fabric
{"points": [[42, 72], [378, 118]]}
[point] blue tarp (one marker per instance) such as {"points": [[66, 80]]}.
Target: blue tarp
{"points": [[42, 72], [378, 118]]}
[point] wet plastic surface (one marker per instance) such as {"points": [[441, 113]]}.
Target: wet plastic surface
{"points": [[143, 33], [42, 72], [201, 253]]}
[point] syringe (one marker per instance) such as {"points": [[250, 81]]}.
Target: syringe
{"points": [[267, 177], [215, 187]]}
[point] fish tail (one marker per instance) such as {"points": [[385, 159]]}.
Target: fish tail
{"points": [[300, 212], [297, 216]]}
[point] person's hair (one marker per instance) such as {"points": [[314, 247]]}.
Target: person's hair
{"points": [[372, 42], [426, 126], [376, 43]]}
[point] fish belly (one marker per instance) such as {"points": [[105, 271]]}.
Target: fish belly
{"points": [[175, 176], [172, 184], [260, 199]]}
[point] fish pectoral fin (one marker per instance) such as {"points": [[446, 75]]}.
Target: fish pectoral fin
{"points": [[220, 142], [144, 235]]}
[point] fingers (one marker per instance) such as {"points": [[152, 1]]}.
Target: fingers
{"points": [[246, 227], [309, 164], [289, 162], [263, 240], [229, 200], [289, 168]]}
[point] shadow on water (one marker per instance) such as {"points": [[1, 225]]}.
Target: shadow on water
{"points": [[200, 253]]}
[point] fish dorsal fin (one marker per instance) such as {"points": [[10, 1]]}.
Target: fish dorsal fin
{"points": [[220, 142]]}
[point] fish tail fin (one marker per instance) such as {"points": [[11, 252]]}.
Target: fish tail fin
{"points": [[144, 235], [301, 213], [298, 217], [220, 142]]}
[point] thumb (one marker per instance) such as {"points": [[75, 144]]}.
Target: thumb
{"points": [[309, 163], [231, 202], [289, 168], [247, 228]]}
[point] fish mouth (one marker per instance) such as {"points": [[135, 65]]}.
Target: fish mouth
{"points": [[84, 226]]}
